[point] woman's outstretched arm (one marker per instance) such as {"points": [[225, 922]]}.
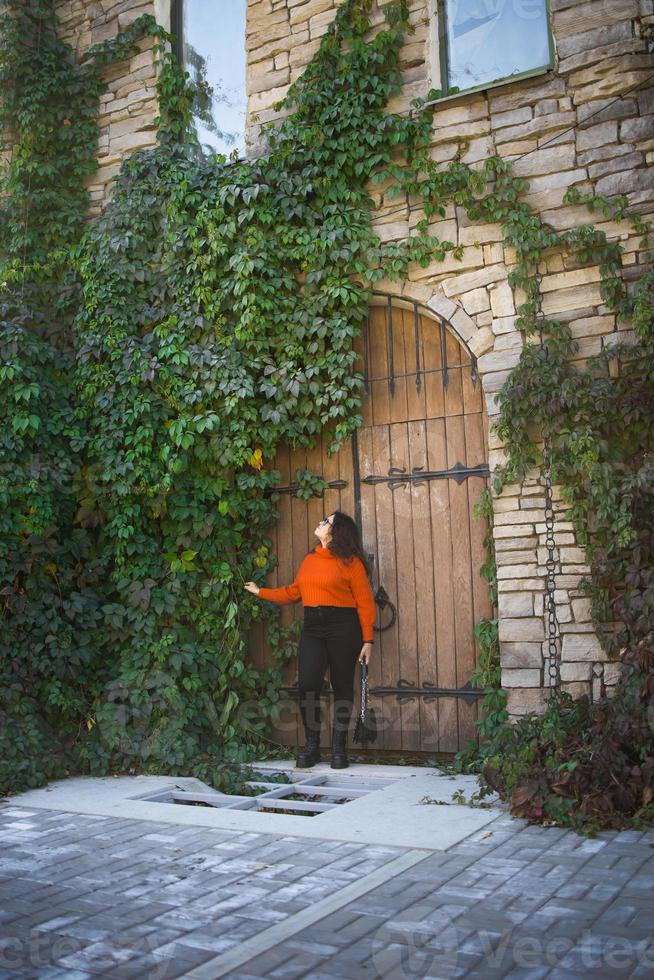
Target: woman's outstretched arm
{"points": [[284, 595]]}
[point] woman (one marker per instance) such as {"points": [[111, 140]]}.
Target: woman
{"points": [[339, 613]]}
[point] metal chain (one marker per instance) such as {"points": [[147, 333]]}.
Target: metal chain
{"points": [[553, 632], [364, 693], [552, 624]]}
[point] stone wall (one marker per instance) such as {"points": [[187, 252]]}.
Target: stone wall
{"points": [[579, 124], [129, 106]]}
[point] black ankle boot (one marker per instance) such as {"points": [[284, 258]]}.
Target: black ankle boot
{"points": [[310, 754], [339, 755]]}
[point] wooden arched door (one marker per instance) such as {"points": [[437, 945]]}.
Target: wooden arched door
{"points": [[411, 478]]}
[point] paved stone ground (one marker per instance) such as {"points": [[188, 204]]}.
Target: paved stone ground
{"points": [[82, 896]]}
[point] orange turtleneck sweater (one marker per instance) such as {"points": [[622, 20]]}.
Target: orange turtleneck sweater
{"points": [[324, 580]]}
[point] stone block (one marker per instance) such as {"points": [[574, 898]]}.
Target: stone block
{"points": [[581, 610], [464, 326], [515, 605], [589, 40], [604, 109], [637, 129], [509, 531], [476, 301], [573, 556], [501, 299], [441, 304], [596, 15], [523, 654], [587, 58], [520, 677], [473, 280], [463, 113], [591, 326], [515, 572], [601, 134], [502, 360], [575, 277], [525, 701], [516, 557], [612, 671], [576, 689], [493, 381], [522, 628], [574, 298], [479, 234], [525, 92], [511, 544], [539, 126], [504, 324], [264, 80], [133, 141], [513, 117], [581, 646], [614, 82], [522, 584], [544, 161], [519, 517], [481, 341], [301, 13], [576, 671]]}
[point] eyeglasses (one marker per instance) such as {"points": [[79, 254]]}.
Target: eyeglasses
{"points": [[325, 520]]}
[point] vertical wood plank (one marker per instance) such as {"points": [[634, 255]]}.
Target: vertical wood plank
{"points": [[461, 571], [406, 584], [424, 587], [432, 358], [388, 647], [472, 394], [416, 404], [378, 352], [444, 595], [368, 531], [454, 391]]}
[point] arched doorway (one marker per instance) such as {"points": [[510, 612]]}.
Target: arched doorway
{"points": [[411, 477]]}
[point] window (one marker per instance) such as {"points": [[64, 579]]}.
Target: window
{"points": [[211, 47], [486, 41]]}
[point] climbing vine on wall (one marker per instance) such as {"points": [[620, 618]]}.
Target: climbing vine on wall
{"points": [[209, 315]]}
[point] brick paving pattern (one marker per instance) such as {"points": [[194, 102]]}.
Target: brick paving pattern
{"points": [[83, 896]]}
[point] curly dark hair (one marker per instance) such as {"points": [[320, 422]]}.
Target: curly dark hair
{"points": [[346, 540]]}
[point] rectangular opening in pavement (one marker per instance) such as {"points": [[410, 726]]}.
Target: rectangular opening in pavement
{"points": [[302, 796]]}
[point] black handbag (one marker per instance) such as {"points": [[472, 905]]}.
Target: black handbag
{"points": [[365, 729]]}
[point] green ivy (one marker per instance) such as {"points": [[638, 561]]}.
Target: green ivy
{"points": [[161, 356]]}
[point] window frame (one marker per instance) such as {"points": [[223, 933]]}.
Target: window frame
{"points": [[440, 70], [177, 30]]}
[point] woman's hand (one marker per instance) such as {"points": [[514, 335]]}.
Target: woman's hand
{"points": [[366, 650], [252, 587]]}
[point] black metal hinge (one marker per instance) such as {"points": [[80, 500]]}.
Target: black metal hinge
{"points": [[408, 691], [398, 477], [332, 485]]}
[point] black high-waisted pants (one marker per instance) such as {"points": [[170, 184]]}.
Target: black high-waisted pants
{"points": [[331, 636]]}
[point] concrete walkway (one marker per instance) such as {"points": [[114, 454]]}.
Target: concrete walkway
{"points": [[83, 895]]}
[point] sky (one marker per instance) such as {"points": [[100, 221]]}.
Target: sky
{"points": [[216, 29]]}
